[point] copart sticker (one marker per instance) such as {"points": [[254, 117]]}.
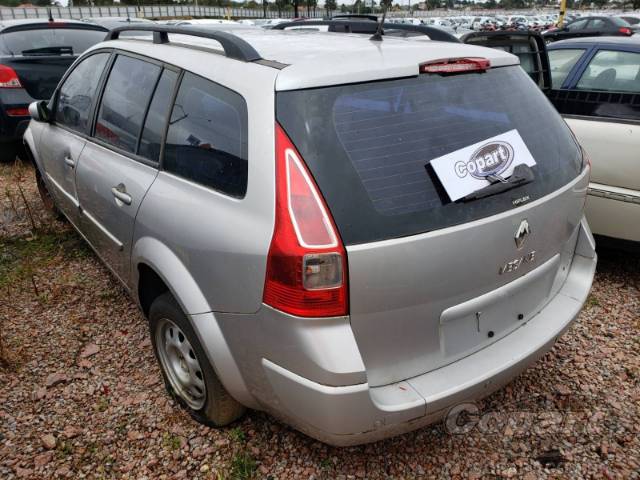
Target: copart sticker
{"points": [[476, 166]]}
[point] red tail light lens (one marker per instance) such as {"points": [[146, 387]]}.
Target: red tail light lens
{"points": [[625, 31], [9, 78], [17, 112], [456, 65], [306, 267]]}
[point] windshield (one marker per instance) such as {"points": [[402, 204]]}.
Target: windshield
{"points": [[369, 146], [45, 38]]}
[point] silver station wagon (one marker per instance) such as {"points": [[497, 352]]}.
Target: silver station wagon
{"points": [[352, 235]]}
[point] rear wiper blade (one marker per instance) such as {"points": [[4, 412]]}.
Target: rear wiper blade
{"points": [[49, 51], [522, 174]]}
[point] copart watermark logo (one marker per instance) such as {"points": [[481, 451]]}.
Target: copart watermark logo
{"points": [[491, 159], [538, 416]]}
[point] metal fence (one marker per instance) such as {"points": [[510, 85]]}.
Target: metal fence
{"points": [[149, 11]]}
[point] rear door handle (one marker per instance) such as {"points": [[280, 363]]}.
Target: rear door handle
{"points": [[121, 194], [69, 162]]}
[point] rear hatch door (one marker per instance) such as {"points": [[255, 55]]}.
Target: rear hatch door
{"points": [[432, 280], [41, 53]]}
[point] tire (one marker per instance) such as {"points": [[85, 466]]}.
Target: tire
{"points": [[47, 199], [180, 355]]}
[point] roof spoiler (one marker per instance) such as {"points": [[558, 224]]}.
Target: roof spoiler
{"points": [[233, 46]]}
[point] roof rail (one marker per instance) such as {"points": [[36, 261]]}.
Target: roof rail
{"points": [[233, 46], [354, 16], [360, 26]]}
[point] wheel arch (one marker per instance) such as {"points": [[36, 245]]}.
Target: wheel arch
{"points": [[155, 270]]}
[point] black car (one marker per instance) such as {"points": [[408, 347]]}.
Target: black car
{"points": [[591, 27], [34, 54]]}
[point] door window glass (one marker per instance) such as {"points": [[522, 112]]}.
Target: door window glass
{"points": [[157, 117], [77, 92], [562, 62], [207, 136], [597, 23], [613, 72], [579, 25], [124, 102]]}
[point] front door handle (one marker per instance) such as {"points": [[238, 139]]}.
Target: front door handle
{"points": [[69, 162], [120, 192]]}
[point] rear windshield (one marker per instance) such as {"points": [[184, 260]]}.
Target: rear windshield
{"points": [[30, 41], [369, 146]]}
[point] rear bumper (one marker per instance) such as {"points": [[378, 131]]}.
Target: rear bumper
{"points": [[354, 414], [13, 127], [614, 212]]}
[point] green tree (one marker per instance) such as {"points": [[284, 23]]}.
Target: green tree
{"points": [[332, 5]]}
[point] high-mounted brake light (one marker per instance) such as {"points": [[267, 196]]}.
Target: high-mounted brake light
{"points": [[9, 78], [625, 31], [456, 65], [306, 268]]}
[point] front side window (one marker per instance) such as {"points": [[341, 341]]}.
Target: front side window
{"points": [[77, 93], [578, 25], [597, 23], [613, 72], [124, 102], [207, 136], [561, 63]]}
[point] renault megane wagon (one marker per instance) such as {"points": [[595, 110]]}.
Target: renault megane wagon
{"points": [[352, 235]]}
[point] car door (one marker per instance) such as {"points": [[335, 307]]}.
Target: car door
{"points": [[63, 140], [529, 47], [119, 163]]}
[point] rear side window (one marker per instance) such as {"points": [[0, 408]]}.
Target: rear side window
{"points": [[157, 117], [368, 146], [562, 62], [43, 41], [612, 71], [78, 91], [207, 136], [124, 102]]}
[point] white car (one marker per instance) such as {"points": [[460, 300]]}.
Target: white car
{"points": [[594, 84]]}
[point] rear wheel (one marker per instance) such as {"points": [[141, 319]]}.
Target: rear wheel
{"points": [[187, 373]]}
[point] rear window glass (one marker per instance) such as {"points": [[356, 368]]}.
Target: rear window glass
{"points": [[368, 146], [28, 42]]}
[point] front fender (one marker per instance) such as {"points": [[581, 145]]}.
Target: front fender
{"points": [[185, 290]]}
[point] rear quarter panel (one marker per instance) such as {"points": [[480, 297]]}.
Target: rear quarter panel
{"points": [[221, 241]]}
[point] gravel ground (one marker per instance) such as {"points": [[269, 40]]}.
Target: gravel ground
{"points": [[81, 395]]}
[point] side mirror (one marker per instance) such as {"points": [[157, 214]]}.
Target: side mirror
{"points": [[39, 111]]}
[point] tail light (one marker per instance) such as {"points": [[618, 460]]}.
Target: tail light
{"points": [[306, 268], [456, 65], [17, 112], [9, 78], [625, 30]]}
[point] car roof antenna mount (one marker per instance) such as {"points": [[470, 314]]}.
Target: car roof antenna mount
{"points": [[378, 35]]}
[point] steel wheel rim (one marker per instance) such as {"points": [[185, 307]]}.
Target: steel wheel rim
{"points": [[180, 364]]}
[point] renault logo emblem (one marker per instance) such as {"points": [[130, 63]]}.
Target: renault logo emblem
{"points": [[522, 233]]}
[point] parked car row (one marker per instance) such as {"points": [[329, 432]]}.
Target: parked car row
{"points": [[304, 239]]}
